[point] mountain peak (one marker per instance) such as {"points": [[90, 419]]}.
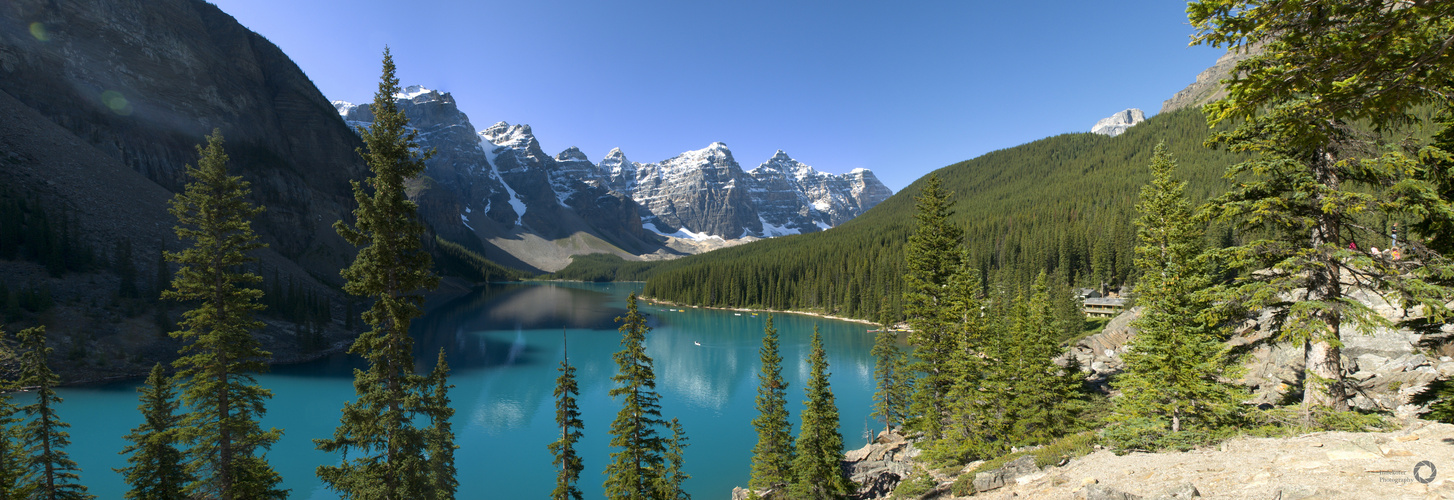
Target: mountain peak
{"points": [[780, 156], [413, 91], [1115, 124], [343, 107], [572, 154], [505, 134]]}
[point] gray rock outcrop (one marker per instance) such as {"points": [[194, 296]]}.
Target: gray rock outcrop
{"points": [[1208, 85], [1383, 369], [1115, 124], [878, 467], [998, 478]]}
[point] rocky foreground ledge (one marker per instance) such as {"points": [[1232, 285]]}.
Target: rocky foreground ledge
{"points": [[1318, 465], [1416, 462]]}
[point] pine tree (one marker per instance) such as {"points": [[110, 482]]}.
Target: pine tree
{"points": [[15, 481], [636, 469], [670, 485], [156, 471], [931, 256], [439, 439], [1325, 72], [220, 356], [965, 435], [1174, 363], [772, 457], [568, 418], [892, 378], [383, 448], [54, 474], [14, 466], [1041, 410], [820, 445]]}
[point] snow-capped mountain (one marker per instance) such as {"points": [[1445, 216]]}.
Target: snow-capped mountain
{"points": [[502, 187]]}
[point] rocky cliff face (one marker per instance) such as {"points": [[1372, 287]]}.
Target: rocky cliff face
{"points": [[1115, 124], [1208, 85], [144, 82], [507, 187], [105, 102]]}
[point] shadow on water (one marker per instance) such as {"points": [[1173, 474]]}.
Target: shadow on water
{"points": [[484, 328]]}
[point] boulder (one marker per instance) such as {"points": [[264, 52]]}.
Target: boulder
{"points": [[740, 493], [878, 467], [1187, 490], [998, 478], [1098, 492]]}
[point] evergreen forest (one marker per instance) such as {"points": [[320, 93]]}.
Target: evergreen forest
{"points": [[1063, 205]]}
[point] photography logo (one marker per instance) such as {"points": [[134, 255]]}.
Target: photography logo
{"points": [[1424, 472], [1425, 467]]}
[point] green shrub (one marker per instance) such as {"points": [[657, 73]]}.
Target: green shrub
{"points": [[1439, 395], [915, 485], [963, 485]]}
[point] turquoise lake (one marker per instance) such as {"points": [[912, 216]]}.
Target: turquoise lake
{"points": [[504, 345]]}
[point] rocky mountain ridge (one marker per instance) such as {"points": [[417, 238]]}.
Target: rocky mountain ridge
{"points": [[504, 188]]}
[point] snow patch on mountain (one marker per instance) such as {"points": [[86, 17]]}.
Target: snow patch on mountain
{"points": [[683, 233], [412, 91], [491, 153]]}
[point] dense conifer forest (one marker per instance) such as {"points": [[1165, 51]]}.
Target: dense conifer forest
{"points": [[1063, 205]]}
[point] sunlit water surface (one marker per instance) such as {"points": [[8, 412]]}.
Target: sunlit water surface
{"points": [[504, 344]]}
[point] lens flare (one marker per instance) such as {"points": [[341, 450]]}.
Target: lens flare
{"points": [[117, 102], [38, 31]]}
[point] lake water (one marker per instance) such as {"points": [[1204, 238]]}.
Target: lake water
{"points": [[504, 344]]}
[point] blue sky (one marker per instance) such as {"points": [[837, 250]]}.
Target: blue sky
{"points": [[901, 88]]}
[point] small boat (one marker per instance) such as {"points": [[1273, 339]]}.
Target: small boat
{"points": [[737, 314], [697, 342]]}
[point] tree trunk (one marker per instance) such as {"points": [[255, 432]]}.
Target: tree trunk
{"points": [[1323, 385], [1323, 380]]}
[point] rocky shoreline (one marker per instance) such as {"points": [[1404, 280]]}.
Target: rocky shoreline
{"points": [[652, 300]]}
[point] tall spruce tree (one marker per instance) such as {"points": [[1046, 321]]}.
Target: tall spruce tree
{"points": [[931, 256], [220, 355], [383, 445], [670, 485], [439, 437], [14, 466], [820, 445], [1041, 406], [1171, 380], [965, 433], [52, 472], [772, 457], [1324, 72], [892, 378], [637, 468], [157, 471], [568, 418]]}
